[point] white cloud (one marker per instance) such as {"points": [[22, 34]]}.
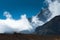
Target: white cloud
{"points": [[17, 25], [54, 8], [36, 22]]}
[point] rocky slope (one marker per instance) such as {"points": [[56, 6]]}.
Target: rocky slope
{"points": [[50, 28]]}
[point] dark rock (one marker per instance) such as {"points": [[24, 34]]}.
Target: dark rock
{"points": [[50, 28], [44, 14]]}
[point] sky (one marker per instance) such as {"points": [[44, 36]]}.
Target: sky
{"points": [[20, 7], [17, 8]]}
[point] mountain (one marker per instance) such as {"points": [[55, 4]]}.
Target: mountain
{"points": [[50, 28], [44, 14], [51, 19]]}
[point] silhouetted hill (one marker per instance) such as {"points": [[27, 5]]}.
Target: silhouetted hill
{"points": [[27, 37], [50, 28]]}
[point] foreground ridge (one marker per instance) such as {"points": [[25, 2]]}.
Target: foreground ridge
{"points": [[27, 37]]}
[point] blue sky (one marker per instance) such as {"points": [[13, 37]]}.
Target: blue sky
{"points": [[19, 7]]}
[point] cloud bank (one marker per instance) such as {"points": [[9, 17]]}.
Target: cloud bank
{"points": [[10, 25]]}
